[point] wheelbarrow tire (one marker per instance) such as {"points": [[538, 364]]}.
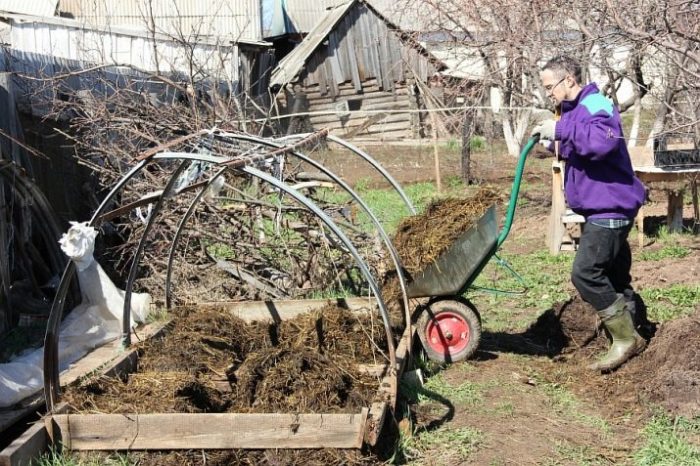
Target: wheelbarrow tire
{"points": [[449, 331]]}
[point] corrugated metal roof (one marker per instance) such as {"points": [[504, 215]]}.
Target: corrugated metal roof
{"points": [[67, 40], [30, 7], [239, 19], [305, 14], [125, 30], [408, 15], [290, 65]]}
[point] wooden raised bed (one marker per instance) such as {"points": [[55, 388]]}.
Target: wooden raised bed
{"points": [[166, 431]]}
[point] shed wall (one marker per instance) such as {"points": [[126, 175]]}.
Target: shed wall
{"points": [[362, 47]]}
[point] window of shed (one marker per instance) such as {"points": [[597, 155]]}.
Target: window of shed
{"points": [[354, 104]]}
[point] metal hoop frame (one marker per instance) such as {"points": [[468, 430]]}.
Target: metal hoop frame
{"points": [[51, 341]]}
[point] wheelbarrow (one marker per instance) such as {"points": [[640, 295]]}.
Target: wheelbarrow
{"points": [[448, 325]]}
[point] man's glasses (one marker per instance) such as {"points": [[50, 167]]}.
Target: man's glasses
{"points": [[550, 87]]}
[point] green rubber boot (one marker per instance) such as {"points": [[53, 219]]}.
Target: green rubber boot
{"points": [[626, 342]]}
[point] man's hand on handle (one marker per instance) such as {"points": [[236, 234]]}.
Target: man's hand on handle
{"points": [[545, 129]]}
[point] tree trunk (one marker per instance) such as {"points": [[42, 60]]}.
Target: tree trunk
{"points": [[634, 131], [514, 129], [662, 109]]}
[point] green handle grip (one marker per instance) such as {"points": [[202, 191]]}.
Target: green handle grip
{"points": [[516, 189]]}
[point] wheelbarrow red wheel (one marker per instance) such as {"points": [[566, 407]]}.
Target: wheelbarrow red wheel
{"points": [[449, 331]]}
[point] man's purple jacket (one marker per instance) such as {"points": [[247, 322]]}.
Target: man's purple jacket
{"points": [[598, 180]]}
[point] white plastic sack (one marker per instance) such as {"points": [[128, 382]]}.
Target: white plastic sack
{"points": [[94, 322]]}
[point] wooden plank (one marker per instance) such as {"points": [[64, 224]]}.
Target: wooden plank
{"points": [[556, 227], [335, 50], [375, 422], [381, 128], [28, 446], [277, 311], [108, 356], [674, 212], [388, 388], [658, 174], [640, 227], [184, 431], [354, 68]]}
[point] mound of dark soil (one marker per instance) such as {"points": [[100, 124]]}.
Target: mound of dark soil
{"points": [[570, 328], [668, 371]]}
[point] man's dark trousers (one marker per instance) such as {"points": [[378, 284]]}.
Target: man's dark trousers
{"points": [[601, 270]]}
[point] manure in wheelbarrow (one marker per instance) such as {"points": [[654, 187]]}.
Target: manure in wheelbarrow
{"points": [[420, 239]]}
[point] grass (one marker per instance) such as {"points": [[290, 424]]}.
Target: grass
{"points": [[545, 276], [664, 304], [669, 442], [466, 392], [159, 314], [221, 251], [59, 458], [582, 455], [671, 251], [442, 446], [566, 403]]}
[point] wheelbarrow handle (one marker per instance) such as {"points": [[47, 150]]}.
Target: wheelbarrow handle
{"points": [[516, 189]]}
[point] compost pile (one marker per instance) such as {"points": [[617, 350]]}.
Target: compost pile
{"points": [[421, 239], [666, 373], [210, 361]]}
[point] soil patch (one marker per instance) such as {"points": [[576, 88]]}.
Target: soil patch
{"points": [[668, 371]]}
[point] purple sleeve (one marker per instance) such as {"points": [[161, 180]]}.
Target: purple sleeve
{"points": [[593, 137]]}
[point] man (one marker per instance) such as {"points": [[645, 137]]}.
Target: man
{"points": [[599, 184]]}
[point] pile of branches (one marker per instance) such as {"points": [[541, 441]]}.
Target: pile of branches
{"points": [[246, 240]]}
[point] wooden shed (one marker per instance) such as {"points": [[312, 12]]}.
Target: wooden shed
{"points": [[357, 74]]}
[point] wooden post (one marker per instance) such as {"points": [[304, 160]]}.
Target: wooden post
{"points": [[555, 232], [696, 205], [674, 216], [436, 157], [467, 130], [640, 227]]}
